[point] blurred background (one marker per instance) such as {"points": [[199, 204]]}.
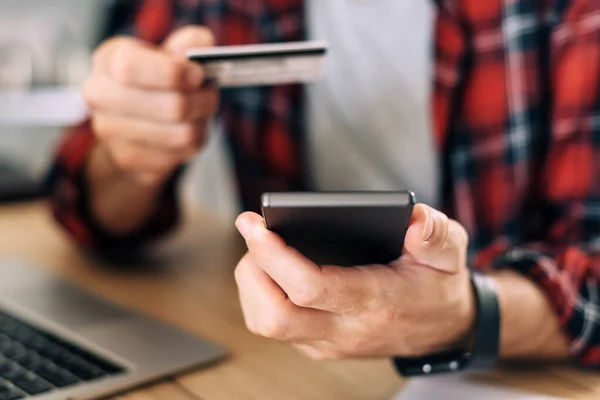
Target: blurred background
{"points": [[45, 48], [44, 57]]}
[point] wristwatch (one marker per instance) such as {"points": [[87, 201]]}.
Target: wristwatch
{"points": [[484, 350]]}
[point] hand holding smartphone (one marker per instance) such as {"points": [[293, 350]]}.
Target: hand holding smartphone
{"points": [[341, 228]]}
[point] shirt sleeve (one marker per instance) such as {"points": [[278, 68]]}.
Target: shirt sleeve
{"points": [[563, 257], [66, 184], [570, 277], [69, 199]]}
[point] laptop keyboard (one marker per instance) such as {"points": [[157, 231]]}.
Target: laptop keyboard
{"points": [[34, 362]]}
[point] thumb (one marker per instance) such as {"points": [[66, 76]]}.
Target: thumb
{"points": [[188, 38], [435, 240]]}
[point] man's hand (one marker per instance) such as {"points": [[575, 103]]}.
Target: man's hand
{"points": [[150, 110], [420, 304], [149, 107]]}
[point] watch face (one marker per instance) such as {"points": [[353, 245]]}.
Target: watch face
{"points": [[434, 364]]}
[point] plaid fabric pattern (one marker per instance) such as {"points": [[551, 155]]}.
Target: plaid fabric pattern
{"points": [[516, 102], [517, 122]]}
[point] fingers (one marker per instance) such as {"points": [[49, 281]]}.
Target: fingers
{"points": [[101, 93], [148, 104], [299, 277], [435, 240], [187, 38], [268, 311], [113, 127], [130, 62], [330, 288]]}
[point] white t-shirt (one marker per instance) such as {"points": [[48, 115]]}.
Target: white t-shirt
{"points": [[369, 117]]}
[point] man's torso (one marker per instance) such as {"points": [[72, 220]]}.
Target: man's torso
{"points": [[514, 105]]}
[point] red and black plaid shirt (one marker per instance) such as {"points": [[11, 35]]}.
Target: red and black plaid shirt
{"points": [[517, 117]]}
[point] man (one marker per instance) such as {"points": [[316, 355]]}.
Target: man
{"points": [[516, 103]]}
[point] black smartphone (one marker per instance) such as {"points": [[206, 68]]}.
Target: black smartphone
{"points": [[341, 228]]}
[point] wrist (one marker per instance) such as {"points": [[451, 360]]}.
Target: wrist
{"points": [[460, 334], [484, 342], [102, 170], [531, 328], [467, 338], [118, 202]]}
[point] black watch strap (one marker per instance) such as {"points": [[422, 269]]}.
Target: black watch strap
{"points": [[484, 353], [487, 333]]}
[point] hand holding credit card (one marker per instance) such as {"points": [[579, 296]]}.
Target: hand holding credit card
{"points": [[262, 64]]}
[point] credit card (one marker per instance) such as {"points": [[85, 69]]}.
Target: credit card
{"points": [[262, 64]]}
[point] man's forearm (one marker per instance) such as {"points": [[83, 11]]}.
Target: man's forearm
{"points": [[120, 204], [530, 328]]}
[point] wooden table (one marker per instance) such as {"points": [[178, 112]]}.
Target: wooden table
{"points": [[189, 283]]}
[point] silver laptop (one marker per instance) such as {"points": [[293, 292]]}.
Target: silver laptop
{"points": [[60, 342]]}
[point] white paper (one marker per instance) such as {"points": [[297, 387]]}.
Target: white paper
{"points": [[42, 107], [460, 387]]}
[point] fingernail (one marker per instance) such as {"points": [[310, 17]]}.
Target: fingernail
{"points": [[428, 229], [195, 77], [244, 228]]}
